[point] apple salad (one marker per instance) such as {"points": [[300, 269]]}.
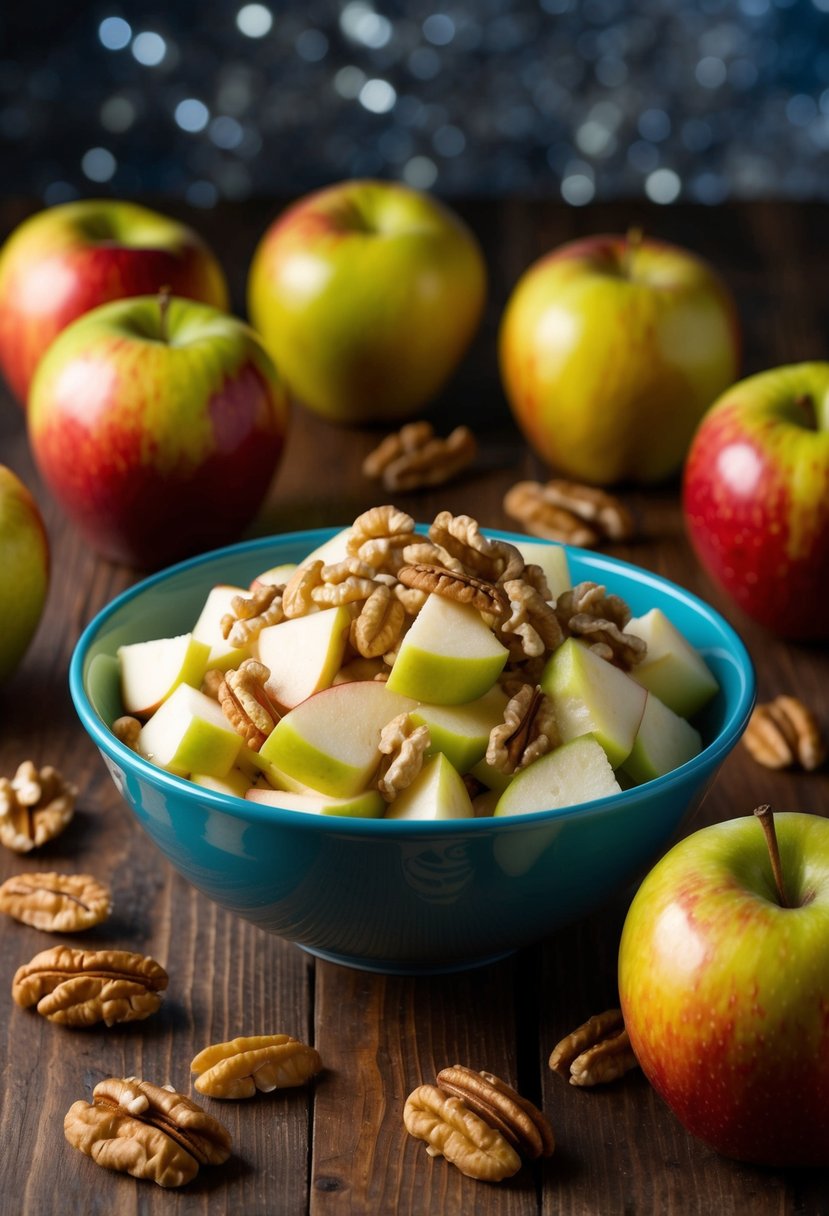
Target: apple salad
{"points": [[409, 676]]}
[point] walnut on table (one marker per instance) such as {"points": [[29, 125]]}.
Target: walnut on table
{"points": [[414, 457], [784, 733], [567, 512], [56, 903], [35, 806]]}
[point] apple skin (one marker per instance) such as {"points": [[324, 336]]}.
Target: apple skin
{"points": [[756, 497], [65, 261], [158, 435], [24, 561], [367, 294], [725, 994], [610, 352]]}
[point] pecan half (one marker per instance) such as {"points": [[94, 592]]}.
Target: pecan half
{"points": [[146, 1130], [415, 457], [568, 512], [596, 1052], [463, 588], [56, 903], [517, 1119], [379, 626], [451, 1130], [81, 987], [240, 1067], [403, 746], [528, 731], [784, 733], [246, 704], [35, 806]]}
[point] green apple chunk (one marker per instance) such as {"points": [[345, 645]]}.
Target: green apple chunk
{"points": [[576, 772], [491, 777], [274, 576], [235, 782], [462, 732], [590, 695], [672, 668], [303, 654], [367, 805], [333, 550], [448, 657], [437, 792], [150, 671], [189, 733], [664, 742], [330, 741], [208, 627], [552, 558]]}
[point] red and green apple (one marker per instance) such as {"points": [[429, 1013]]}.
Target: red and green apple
{"points": [[24, 561]]}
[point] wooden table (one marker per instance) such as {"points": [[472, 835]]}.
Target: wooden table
{"points": [[340, 1147]]}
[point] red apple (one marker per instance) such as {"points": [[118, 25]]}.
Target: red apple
{"points": [[66, 260], [724, 987], [756, 497], [157, 424], [367, 294], [611, 349], [24, 569]]}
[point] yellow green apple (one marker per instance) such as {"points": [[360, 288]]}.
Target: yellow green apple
{"points": [[367, 294], [663, 742], [208, 627], [671, 668], [367, 805], [437, 792], [24, 560], [552, 558], [575, 772], [151, 670], [462, 732], [303, 654], [188, 733]]}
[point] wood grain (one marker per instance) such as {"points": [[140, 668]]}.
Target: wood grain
{"points": [[339, 1147]]}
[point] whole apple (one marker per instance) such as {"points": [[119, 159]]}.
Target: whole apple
{"points": [[24, 562], [157, 424], [724, 987], [611, 349], [62, 262], [756, 497], [367, 294]]}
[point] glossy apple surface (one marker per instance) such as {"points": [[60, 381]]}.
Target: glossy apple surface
{"points": [[725, 993], [24, 561], [756, 497], [367, 295], [159, 433], [65, 261], [611, 349]]}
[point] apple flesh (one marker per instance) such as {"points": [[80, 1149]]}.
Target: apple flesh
{"points": [[208, 627], [63, 262], [552, 558], [368, 805], [24, 560], [437, 792], [151, 670], [671, 668], [367, 294], [611, 349], [756, 498], [573, 773], [663, 742], [448, 656], [303, 654], [725, 992], [157, 427], [591, 696], [188, 733], [461, 732]]}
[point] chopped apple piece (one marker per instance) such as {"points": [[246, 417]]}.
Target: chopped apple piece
{"points": [[491, 777], [664, 742], [189, 733], [462, 732], [208, 628], [449, 655], [437, 792], [151, 670], [672, 669], [274, 576], [368, 805], [576, 772], [330, 551], [236, 782], [330, 741], [552, 558], [591, 696], [303, 654]]}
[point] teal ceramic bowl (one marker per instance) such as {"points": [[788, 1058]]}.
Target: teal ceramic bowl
{"points": [[378, 894]]}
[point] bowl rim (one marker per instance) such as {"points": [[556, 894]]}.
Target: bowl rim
{"points": [[707, 760]]}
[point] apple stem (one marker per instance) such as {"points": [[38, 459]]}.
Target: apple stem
{"points": [[164, 297], [766, 817]]}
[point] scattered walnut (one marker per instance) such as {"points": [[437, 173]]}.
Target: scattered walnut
{"points": [[426, 552], [596, 1052], [35, 806], [56, 903], [567, 512], [403, 745], [362, 669], [784, 733], [531, 619], [147, 1131], [237, 1069], [463, 588], [213, 680], [296, 598], [127, 729], [451, 1130], [81, 987], [246, 704], [251, 614], [415, 457], [379, 535], [490, 559], [380, 624], [588, 612], [349, 590], [528, 731]]}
